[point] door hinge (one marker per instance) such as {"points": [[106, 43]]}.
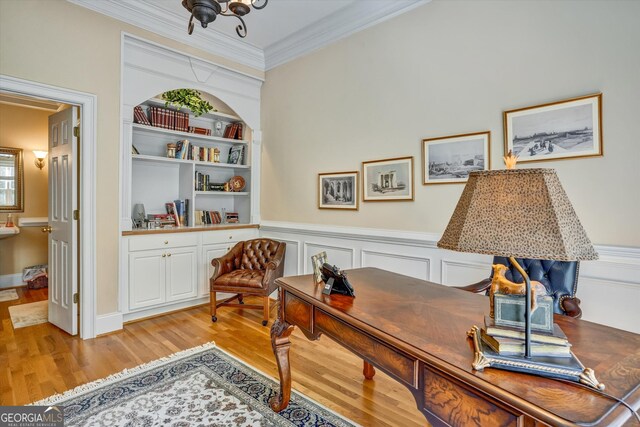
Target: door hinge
{"points": [[76, 298], [76, 214], [76, 131]]}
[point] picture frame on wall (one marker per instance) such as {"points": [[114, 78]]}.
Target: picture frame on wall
{"points": [[338, 190], [388, 180], [566, 129], [449, 159]]}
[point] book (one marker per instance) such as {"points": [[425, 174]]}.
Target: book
{"points": [[239, 133], [515, 347], [172, 210], [139, 116], [557, 337]]}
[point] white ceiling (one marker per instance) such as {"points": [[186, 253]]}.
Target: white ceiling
{"points": [[282, 31]]}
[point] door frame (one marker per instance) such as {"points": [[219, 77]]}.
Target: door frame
{"points": [[87, 236]]}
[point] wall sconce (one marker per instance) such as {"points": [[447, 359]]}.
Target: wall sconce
{"points": [[40, 156]]}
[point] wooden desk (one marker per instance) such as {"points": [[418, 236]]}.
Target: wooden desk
{"points": [[416, 332]]}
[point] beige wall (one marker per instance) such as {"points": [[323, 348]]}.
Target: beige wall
{"points": [[452, 67], [25, 128], [58, 43]]}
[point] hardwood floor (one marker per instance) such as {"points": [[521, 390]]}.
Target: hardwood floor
{"points": [[41, 360]]}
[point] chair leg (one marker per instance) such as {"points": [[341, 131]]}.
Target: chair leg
{"points": [[240, 299], [265, 310], [213, 307]]}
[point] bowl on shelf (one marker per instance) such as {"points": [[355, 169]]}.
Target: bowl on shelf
{"points": [[237, 183]]}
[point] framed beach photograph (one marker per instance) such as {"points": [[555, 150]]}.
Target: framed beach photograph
{"points": [[316, 262], [338, 190], [387, 180], [449, 159], [559, 130]]}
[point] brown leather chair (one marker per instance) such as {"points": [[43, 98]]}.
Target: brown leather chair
{"points": [[249, 268]]}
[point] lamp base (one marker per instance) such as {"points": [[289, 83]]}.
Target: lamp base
{"points": [[566, 368]]}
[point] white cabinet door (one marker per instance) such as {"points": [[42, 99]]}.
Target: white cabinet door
{"points": [[210, 252], [147, 278], [182, 273]]}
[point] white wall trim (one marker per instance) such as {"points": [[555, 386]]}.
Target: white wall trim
{"points": [[174, 27], [88, 104], [344, 22], [11, 280], [110, 322], [608, 287], [396, 237], [306, 256]]}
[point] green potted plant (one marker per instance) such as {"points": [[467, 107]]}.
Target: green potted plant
{"points": [[189, 98]]}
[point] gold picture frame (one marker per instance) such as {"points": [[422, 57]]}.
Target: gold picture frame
{"points": [[567, 129], [388, 180], [338, 190], [449, 159], [14, 156]]}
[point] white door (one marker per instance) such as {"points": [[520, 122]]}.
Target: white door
{"points": [[147, 278], [63, 200], [182, 273]]}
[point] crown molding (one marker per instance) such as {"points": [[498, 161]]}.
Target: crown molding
{"points": [[349, 20], [146, 16]]}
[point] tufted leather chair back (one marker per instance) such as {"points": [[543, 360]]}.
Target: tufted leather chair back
{"points": [[559, 277], [257, 253]]}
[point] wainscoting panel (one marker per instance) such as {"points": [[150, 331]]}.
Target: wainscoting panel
{"points": [[418, 267], [609, 288]]}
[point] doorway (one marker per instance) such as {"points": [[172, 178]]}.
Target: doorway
{"points": [[85, 224]]}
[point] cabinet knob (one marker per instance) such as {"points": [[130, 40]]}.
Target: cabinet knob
{"points": [[166, 242], [168, 254], [164, 255], [230, 237]]}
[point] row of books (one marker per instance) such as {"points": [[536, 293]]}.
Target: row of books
{"points": [[169, 119], [207, 217], [233, 131], [203, 183], [187, 151], [508, 341], [179, 209]]}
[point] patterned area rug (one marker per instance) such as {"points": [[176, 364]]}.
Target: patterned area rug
{"points": [[8, 295], [33, 313], [203, 386]]}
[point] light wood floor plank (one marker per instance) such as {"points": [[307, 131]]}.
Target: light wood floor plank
{"points": [[41, 360]]}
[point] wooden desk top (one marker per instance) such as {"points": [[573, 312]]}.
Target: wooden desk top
{"points": [[431, 321]]}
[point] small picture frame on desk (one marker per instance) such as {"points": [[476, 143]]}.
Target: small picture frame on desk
{"points": [[316, 262]]}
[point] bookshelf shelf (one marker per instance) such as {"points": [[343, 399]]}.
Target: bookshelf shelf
{"points": [[157, 102], [222, 193], [140, 128], [159, 159]]}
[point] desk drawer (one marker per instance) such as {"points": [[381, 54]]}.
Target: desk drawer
{"points": [[400, 365], [162, 241], [461, 407], [297, 312]]}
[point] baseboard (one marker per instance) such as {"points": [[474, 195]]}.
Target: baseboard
{"points": [[11, 280], [165, 309], [106, 323]]}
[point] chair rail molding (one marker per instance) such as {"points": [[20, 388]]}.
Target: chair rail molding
{"points": [[608, 287]]}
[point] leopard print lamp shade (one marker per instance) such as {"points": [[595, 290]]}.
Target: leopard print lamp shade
{"points": [[521, 213]]}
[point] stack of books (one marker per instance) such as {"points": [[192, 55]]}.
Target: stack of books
{"points": [[508, 341], [233, 131]]}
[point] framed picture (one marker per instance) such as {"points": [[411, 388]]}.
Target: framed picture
{"points": [[387, 180], [316, 262], [558, 130], [449, 159], [338, 190]]}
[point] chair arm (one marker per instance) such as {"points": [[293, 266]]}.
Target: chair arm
{"points": [[476, 288], [228, 262], [571, 306], [275, 267]]}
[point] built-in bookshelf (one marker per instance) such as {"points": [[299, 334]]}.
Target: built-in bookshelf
{"points": [[157, 179]]}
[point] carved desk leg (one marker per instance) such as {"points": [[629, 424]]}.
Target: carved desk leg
{"points": [[280, 343], [368, 370]]}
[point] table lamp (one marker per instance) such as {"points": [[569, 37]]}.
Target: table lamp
{"points": [[522, 213]]}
